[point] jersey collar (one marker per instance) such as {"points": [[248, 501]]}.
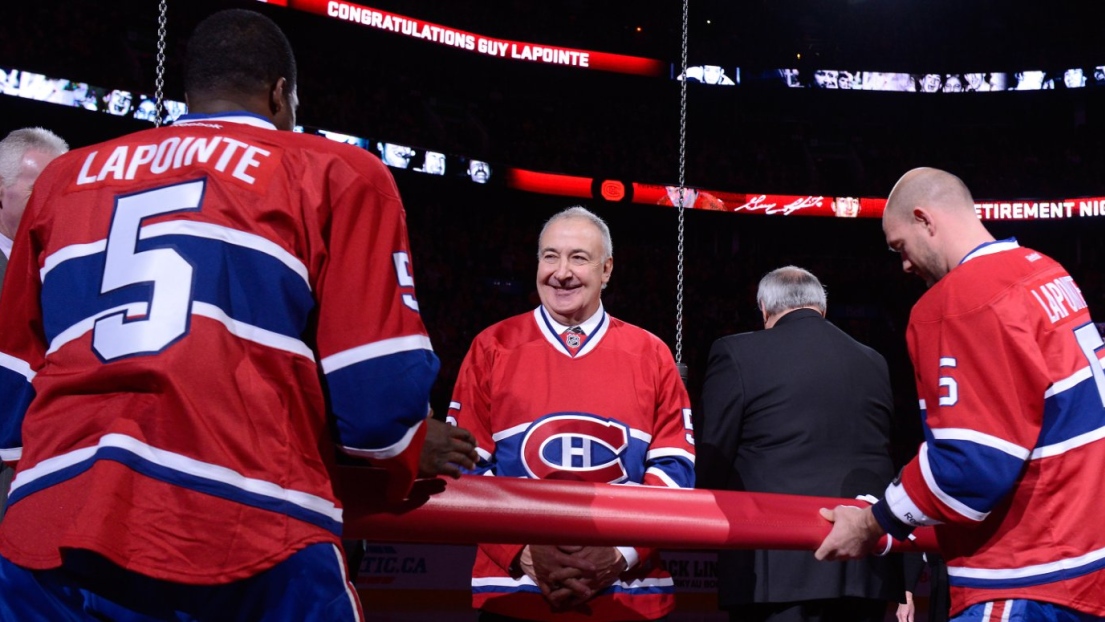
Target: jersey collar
{"points": [[989, 248], [594, 326], [239, 116]]}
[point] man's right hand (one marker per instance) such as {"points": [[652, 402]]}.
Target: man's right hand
{"points": [[447, 450], [855, 533]]}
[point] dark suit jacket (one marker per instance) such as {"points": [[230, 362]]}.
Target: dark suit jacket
{"points": [[804, 409]]}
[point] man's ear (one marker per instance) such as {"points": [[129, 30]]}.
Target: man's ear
{"points": [[923, 217], [278, 96]]}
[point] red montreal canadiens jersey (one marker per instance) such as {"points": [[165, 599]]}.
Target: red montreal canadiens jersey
{"points": [[1009, 372], [615, 412], [175, 303]]}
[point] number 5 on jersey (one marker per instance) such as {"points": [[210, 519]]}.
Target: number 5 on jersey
{"points": [[168, 312], [402, 263]]}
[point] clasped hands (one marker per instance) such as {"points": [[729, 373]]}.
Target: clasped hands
{"points": [[569, 576]]}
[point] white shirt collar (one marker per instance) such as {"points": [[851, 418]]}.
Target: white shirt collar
{"points": [[6, 245]]}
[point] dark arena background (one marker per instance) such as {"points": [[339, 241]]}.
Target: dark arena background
{"points": [[555, 133]]}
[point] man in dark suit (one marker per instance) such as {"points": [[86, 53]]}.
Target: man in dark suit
{"points": [[800, 408]]}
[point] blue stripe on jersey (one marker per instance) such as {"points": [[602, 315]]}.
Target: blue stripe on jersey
{"points": [[248, 285], [176, 478], [1072, 412], [976, 475], [16, 394], [1062, 574], [378, 400], [679, 469], [505, 589]]}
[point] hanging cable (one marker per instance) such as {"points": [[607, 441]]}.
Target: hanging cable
{"points": [[680, 207], [159, 93]]}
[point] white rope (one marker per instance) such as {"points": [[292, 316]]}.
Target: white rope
{"points": [[162, 19]]}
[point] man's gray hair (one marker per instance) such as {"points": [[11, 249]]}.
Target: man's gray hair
{"points": [[790, 287], [16, 144], [579, 211]]}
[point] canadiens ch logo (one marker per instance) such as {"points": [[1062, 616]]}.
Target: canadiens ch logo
{"points": [[576, 446]]}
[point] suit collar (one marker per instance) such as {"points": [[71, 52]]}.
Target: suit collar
{"points": [[796, 315]]}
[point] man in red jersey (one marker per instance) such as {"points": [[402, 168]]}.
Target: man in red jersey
{"points": [[197, 319], [568, 392], [1009, 375]]}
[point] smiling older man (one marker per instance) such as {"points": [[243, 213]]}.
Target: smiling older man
{"points": [[568, 392]]}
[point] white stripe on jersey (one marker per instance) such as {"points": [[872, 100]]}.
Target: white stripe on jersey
{"points": [[509, 432], [132, 310], [670, 451], [241, 330], [640, 435], [948, 500], [1085, 438], [182, 464], [352, 356], [66, 253], [183, 227], [1025, 572], [19, 366], [252, 333], [664, 477], [390, 451], [228, 235], [980, 438], [1070, 381]]}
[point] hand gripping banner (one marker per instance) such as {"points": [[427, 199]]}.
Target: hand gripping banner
{"points": [[515, 511]]}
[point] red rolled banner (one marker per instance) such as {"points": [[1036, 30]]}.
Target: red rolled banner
{"points": [[524, 511]]}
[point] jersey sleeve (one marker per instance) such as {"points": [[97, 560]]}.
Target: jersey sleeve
{"points": [[981, 379], [670, 458], [22, 339], [375, 353], [470, 406]]}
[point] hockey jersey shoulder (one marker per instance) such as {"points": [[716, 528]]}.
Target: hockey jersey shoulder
{"points": [[511, 333], [979, 282], [359, 161]]}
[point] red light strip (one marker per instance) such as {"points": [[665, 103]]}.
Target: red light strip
{"points": [[476, 43]]}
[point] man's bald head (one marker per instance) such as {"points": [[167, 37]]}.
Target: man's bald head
{"points": [[933, 189], [930, 221]]}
